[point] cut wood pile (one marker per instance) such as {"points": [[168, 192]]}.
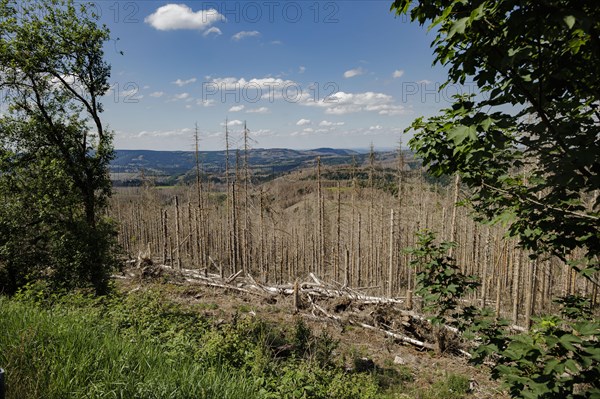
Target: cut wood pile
{"points": [[318, 300]]}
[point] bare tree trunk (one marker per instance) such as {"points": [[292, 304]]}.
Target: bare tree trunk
{"points": [[359, 254], [452, 237], [371, 260], [515, 293], [165, 222], [246, 234], [229, 204], [391, 256], [338, 255], [262, 235], [321, 238], [177, 233], [501, 280], [530, 293], [485, 266], [201, 219]]}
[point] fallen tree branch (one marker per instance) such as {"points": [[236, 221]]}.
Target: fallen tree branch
{"points": [[399, 337]]}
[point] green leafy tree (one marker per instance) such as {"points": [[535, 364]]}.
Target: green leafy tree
{"points": [[441, 285], [54, 149], [528, 144], [439, 280], [558, 358]]}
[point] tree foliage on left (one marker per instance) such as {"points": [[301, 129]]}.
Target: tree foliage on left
{"points": [[54, 149]]}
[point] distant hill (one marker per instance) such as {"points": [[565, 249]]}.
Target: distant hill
{"points": [[168, 167]]}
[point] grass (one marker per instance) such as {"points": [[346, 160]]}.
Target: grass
{"points": [[49, 353], [142, 345]]}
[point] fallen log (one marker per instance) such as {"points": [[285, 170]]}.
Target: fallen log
{"points": [[397, 336]]}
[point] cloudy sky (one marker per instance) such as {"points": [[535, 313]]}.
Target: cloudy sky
{"points": [[302, 74]]}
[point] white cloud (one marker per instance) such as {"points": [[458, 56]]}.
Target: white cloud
{"points": [[301, 69], [262, 132], [329, 124], [182, 83], [181, 96], [163, 133], [130, 95], [236, 108], [303, 122], [214, 30], [231, 83], [234, 122], [261, 110], [398, 73], [424, 82], [276, 42], [308, 130], [243, 34], [205, 103], [157, 94], [376, 127], [180, 16], [267, 88], [341, 103], [130, 92], [353, 72]]}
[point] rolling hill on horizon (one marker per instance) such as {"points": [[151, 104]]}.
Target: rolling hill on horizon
{"points": [[169, 166]]}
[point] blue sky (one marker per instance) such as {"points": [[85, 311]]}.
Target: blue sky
{"points": [[302, 74]]}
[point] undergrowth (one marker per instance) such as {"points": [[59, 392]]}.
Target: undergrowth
{"points": [[142, 345]]}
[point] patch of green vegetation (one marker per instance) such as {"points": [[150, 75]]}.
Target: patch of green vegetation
{"points": [[69, 351], [244, 308], [207, 306], [454, 386], [143, 345]]}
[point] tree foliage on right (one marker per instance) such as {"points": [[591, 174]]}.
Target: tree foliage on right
{"points": [[529, 143], [528, 147]]}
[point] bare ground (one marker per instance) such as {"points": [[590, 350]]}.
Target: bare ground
{"points": [[341, 321]]}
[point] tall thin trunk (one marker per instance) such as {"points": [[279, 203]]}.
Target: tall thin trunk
{"points": [[246, 234], [371, 262], [452, 237], [201, 220], [530, 292], [321, 228], [177, 233], [391, 256], [485, 266], [516, 279], [229, 204], [165, 222]]}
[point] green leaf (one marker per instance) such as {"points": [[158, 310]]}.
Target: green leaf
{"points": [[460, 133], [572, 366], [486, 123], [552, 366], [567, 341], [458, 26], [570, 21]]}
